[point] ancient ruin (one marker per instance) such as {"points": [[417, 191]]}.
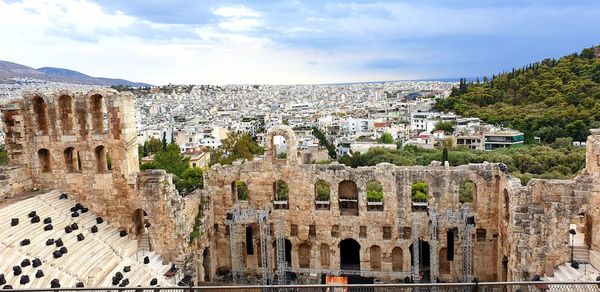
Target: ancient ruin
{"points": [[276, 220]]}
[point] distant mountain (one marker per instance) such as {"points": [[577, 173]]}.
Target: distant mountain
{"points": [[14, 70]]}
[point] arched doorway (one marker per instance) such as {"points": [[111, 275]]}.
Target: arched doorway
{"points": [[140, 219], [424, 259], [206, 264], [349, 254]]}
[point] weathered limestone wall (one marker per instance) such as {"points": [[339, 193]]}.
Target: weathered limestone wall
{"points": [[85, 143], [14, 180]]}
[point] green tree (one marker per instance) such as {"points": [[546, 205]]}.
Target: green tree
{"points": [[419, 192], [236, 146], [374, 191], [164, 141], [281, 190], [154, 145], [242, 190], [447, 127], [323, 142], [386, 138], [322, 190], [465, 192]]}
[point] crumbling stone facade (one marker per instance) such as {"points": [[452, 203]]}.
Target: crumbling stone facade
{"points": [[85, 143], [65, 140], [520, 231]]}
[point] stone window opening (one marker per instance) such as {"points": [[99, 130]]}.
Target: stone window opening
{"points": [[65, 107], [281, 194], [280, 147], [362, 232], [418, 194], [294, 230], [374, 196], [481, 234], [322, 195], [348, 196], [241, 190], [335, 231], [467, 192], [406, 232], [101, 159], [72, 161], [312, 231], [233, 192], [44, 160], [99, 114], [387, 232], [375, 257], [40, 109]]}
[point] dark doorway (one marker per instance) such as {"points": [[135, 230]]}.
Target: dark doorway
{"points": [[424, 259], [504, 269], [349, 254], [288, 253], [139, 218], [206, 264]]}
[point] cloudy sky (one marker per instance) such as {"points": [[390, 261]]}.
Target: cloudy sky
{"points": [[289, 42]]}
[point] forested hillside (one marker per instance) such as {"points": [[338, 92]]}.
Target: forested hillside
{"points": [[548, 99]]}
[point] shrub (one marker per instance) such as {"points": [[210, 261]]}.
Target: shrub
{"points": [[419, 192]]}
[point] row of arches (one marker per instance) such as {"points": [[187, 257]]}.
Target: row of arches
{"points": [[349, 256], [66, 115], [348, 194], [72, 160]]}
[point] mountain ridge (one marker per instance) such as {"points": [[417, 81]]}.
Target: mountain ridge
{"points": [[10, 70]]}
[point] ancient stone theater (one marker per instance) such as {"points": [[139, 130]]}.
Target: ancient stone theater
{"points": [[75, 210]]}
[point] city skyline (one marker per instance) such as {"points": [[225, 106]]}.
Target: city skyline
{"points": [[291, 42]]}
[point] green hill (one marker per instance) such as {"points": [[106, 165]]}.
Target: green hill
{"points": [[549, 99]]}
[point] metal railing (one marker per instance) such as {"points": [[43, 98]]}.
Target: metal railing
{"points": [[440, 287]]}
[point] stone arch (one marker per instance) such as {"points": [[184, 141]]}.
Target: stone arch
{"points": [[99, 112], [444, 264], [374, 196], [506, 205], [304, 255], [397, 259], [290, 141], [206, 263], [375, 257], [40, 110], [467, 192], [44, 160], [325, 255], [65, 109], [72, 161], [322, 195], [348, 196], [140, 221], [349, 254], [101, 163]]}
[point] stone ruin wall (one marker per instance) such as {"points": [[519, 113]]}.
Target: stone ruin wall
{"points": [[47, 131], [527, 234], [521, 231]]}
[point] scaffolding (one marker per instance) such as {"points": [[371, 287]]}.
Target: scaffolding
{"points": [[237, 219], [460, 219], [280, 246], [416, 268], [433, 255]]}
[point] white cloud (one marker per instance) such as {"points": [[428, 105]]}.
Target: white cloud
{"points": [[235, 11]]}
